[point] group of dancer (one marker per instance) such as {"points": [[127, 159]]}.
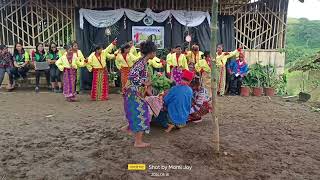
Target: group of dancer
{"points": [[187, 101]]}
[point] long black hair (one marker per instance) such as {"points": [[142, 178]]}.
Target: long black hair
{"points": [[148, 47], [37, 51], [15, 51], [50, 49], [124, 47]]}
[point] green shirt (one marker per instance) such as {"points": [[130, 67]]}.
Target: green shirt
{"points": [[39, 57], [22, 58], [53, 56]]}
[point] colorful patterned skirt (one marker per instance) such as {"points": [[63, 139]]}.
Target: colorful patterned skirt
{"points": [[176, 75], [69, 80], [204, 109], [137, 111], [124, 77], [222, 80], [100, 86]]}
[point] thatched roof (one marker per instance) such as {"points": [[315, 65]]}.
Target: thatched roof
{"points": [[307, 64]]}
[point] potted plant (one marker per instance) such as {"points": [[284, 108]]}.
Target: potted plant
{"points": [[258, 76], [271, 80], [245, 87]]}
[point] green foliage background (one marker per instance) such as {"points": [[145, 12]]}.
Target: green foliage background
{"points": [[303, 42], [303, 39]]}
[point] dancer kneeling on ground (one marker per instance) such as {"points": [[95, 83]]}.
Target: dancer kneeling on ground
{"points": [[136, 107], [178, 102], [238, 70], [200, 102], [69, 64]]}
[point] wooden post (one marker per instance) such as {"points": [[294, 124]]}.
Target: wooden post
{"points": [[214, 29]]}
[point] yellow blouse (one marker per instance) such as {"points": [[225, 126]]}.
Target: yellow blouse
{"points": [[133, 51], [169, 56], [181, 62], [63, 62], [93, 61], [155, 63], [194, 58], [223, 58], [128, 62], [202, 64]]}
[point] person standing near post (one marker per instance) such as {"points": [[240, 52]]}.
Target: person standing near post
{"points": [[6, 64], [55, 75], [221, 60], [78, 54]]}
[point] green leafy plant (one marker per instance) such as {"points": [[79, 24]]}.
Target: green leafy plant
{"points": [[281, 85], [160, 82], [257, 76], [272, 78]]}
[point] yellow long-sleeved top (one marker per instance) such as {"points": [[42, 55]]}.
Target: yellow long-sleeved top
{"points": [[223, 58], [194, 57], [63, 62], [133, 50], [80, 56], [173, 61], [128, 62], [155, 63], [202, 64], [100, 61], [169, 56]]}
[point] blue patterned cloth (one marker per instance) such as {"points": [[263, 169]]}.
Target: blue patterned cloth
{"points": [[178, 103]]}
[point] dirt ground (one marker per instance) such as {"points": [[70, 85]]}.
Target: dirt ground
{"points": [[44, 137]]}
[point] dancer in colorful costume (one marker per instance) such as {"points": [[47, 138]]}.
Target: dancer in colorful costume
{"points": [[97, 64]]}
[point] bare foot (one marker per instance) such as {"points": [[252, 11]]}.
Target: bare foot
{"points": [[169, 129], [126, 129], [141, 145]]}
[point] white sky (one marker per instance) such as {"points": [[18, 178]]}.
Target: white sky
{"points": [[309, 9]]}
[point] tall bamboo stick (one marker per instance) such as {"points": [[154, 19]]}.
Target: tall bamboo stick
{"points": [[214, 29]]}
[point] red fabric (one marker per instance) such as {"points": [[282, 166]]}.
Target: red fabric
{"points": [[188, 75], [124, 55], [124, 77], [95, 95]]}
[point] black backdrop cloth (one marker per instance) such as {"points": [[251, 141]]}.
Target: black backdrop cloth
{"points": [[174, 34]]}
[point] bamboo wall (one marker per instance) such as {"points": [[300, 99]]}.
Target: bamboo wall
{"points": [[33, 21], [259, 24]]}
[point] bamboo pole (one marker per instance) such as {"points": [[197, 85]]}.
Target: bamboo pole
{"points": [[214, 119]]}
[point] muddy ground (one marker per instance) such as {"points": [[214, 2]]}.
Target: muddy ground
{"points": [[45, 137]]}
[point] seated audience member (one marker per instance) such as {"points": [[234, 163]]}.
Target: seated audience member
{"points": [[6, 64], [200, 102], [237, 69], [21, 59], [178, 102], [40, 57]]}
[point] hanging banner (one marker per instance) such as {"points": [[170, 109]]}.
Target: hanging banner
{"points": [[153, 33]]}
